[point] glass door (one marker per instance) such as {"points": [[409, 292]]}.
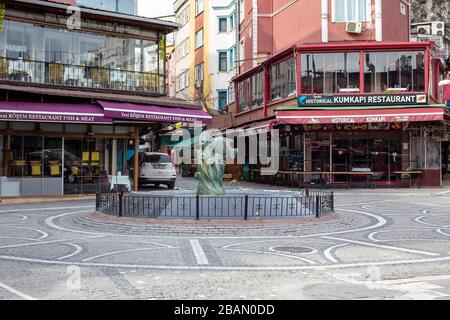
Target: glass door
{"points": [[52, 170], [72, 165]]}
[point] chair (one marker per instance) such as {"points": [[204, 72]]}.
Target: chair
{"points": [[3, 68], [36, 168], [55, 168], [100, 77], [56, 73], [149, 82]]}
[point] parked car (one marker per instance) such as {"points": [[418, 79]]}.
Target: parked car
{"points": [[156, 168]]}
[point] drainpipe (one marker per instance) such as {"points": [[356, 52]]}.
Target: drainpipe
{"points": [[238, 36], [324, 21], [378, 21], [255, 33]]}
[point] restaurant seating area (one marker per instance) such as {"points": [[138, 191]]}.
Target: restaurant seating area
{"points": [[80, 76]]}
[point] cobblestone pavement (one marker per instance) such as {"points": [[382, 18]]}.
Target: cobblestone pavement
{"points": [[381, 244]]}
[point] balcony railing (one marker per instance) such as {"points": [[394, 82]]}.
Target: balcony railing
{"points": [[80, 76]]}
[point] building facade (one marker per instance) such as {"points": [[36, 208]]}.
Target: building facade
{"points": [[268, 27], [205, 51], [355, 102], [356, 114], [119, 6], [76, 100]]}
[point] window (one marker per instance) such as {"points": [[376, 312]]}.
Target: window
{"points": [[231, 93], [244, 95], [199, 39], [394, 71], [330, 73], [198, 75], [257, 89], [222, 24], [183, 16], [222, 99], [232, 22], [198, 7], [182, 81], [182, 49], [351, 10], [232, 57], [251, 92], [223, 61], [122, 6], [282, 80]]}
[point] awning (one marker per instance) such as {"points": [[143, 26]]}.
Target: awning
{"points": [[255, 127], [149, 113], [185, 143], [52, 112], [359, 116]]}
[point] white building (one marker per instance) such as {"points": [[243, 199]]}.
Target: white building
{"points": [[181, 56], [222, 49]]}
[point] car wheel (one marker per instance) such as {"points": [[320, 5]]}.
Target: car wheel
{"points": [[171, 185]]}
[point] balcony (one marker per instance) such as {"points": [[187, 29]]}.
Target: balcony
{"points": [[81, 77], [177, 4]]}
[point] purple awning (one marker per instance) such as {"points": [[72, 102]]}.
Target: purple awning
{"points": [[52, 112], [150, 113]]}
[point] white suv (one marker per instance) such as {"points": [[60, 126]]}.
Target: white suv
{"points": [[156, 168]]}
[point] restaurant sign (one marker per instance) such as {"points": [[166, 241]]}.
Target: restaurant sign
{"points": [[138, 116], [52, 117], [362, 100]]}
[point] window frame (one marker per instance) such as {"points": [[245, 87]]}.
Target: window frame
{"points": [[199, 71], [224, 93], [199, 9], [346, 19], [362, 55], [221, 19], [277, 65], [300, 78], [219, 60], [197, 46]]}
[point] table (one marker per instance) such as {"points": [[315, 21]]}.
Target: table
{"points": [[282, 179], [22, 70], [349, 90], [73, 74], [408, 173]]}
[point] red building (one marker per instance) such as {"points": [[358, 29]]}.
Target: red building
{"points": [[361, 109], [268, 27], [359, 113]]}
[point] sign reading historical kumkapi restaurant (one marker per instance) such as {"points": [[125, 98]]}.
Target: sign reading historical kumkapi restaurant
{"points": [[362, 100]]}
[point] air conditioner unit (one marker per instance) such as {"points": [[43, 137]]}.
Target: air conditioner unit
{"points": [[353, 27], [425, 29], [438, 28]]}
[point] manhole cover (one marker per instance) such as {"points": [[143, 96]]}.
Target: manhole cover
{"points": [[293, 249]]}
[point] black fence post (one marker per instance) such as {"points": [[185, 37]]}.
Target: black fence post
{"points": [[97, 201], [317, 206], [197, 207], [246, 207], [120, 204], [332, 201]]}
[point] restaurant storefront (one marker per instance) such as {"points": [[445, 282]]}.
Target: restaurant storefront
{"points": [[61, 149], [349, 114]]}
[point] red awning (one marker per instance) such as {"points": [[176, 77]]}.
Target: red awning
{"points": [[359, 116], [149, 113], [255, 127]]}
